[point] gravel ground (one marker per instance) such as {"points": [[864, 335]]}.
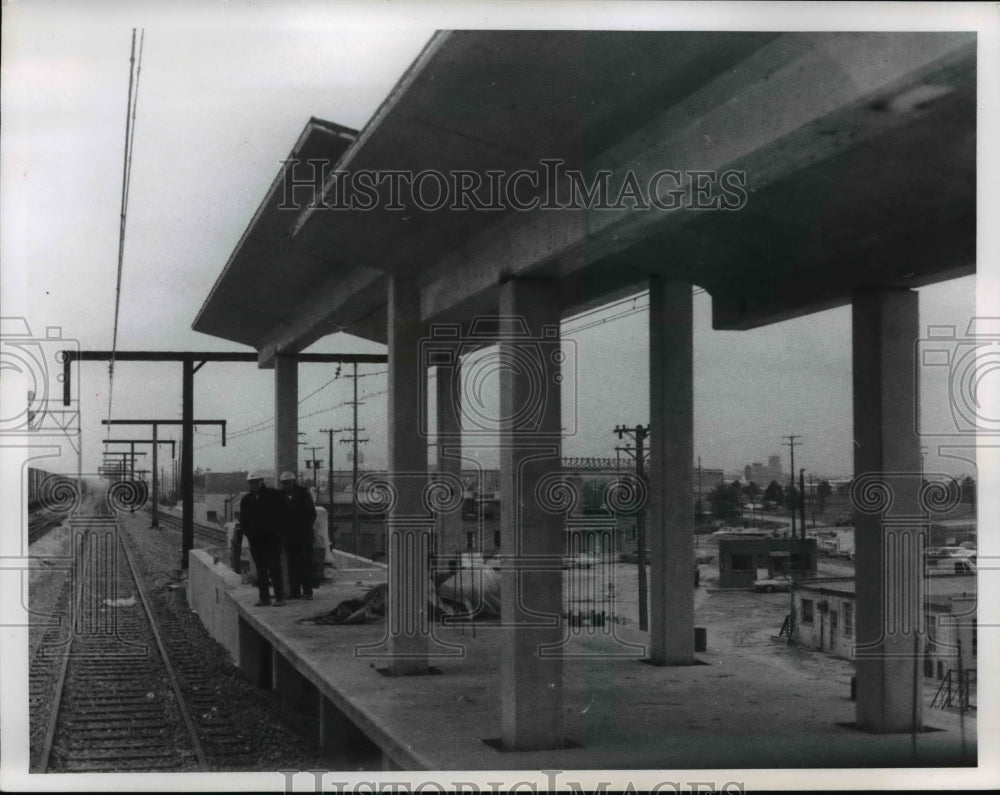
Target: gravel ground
{"points": [[281, 737], [48, 575]]}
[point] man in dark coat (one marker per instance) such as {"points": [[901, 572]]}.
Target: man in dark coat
{"points": [[259, 522], [297, 516]]}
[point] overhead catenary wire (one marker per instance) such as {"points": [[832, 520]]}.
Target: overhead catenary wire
{"points": [[131, 105], [268, 424]]}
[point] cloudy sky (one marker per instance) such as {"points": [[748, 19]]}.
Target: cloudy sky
{"points": [[225, 90]]}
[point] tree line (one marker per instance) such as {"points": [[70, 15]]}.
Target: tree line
{"points": [[726, 500]]}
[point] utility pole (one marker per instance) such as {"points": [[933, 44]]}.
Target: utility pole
{"points": [[701, 507], [792, 444], [812, 499], [639, 433], [354, 441], [314, 462], [802, 500], [329, 470]]}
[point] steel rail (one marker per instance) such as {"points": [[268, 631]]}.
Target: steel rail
{"points": [[171, 674], [50, 730]]}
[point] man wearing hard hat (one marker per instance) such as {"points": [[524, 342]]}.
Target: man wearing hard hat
{"points": [[297, 516], [259, 521]]}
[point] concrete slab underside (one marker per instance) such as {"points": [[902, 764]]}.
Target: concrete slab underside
{"points": [[620, 713]]}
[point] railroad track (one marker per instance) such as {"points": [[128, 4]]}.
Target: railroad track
{"points": [[130, 691], [212, 536], [40, 523]]}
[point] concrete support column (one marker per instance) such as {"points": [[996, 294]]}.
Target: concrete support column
{"points": [[888, 526], [409, 523], [532, 533], [286, 416], [670, 530], [449, 451]]}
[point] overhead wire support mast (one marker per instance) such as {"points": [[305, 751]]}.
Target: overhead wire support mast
{"points": [[157, 479], [187, 456], [192, 361]]}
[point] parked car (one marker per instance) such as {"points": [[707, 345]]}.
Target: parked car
{"points": [[633, 556], [580, 560], [934, 554], [947, 560], [828, 547], [779, 582]]}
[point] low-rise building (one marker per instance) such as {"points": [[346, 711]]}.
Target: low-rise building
{"points": [[825, 611], [743, 560], [217, 496], [824, 616]]}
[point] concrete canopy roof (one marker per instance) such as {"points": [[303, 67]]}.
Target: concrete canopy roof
{"points": [[241, 305], [858, 151]]}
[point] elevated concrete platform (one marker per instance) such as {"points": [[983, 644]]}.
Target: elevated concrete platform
{"points": [[730, 711]]}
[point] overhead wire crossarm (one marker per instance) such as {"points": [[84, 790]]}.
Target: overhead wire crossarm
{"points": [[69, 356]]}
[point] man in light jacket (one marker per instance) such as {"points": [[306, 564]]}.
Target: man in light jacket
{"points": [[297, 516]]}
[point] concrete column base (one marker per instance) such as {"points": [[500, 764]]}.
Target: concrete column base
{"points": [[255, 656], [293, 687], [342, 741]]}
